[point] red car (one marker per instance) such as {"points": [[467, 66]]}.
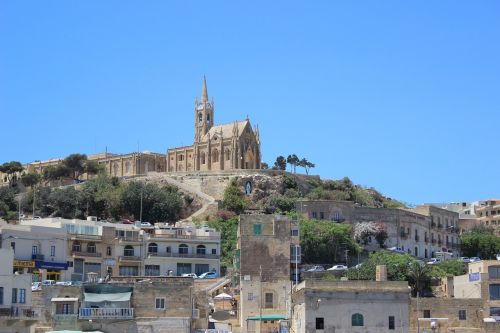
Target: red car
{"points": [[126, 221]]}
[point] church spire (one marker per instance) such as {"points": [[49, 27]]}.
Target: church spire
{"points": [[204, 94]]}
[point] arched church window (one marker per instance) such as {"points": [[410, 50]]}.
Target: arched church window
{"points": [[200, 117], [227, 154], [115, 169], [215, 155], [202, 157], [127, 167]]}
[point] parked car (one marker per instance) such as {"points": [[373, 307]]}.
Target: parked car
{"points": [[464, 259], [193, 275], [396, 249], [36, 217], [475, 259], [36, 286], [433, 261], [316, 268], [498, 256], [208, 275], [48, 282], [126, 221], [337, 268], [146, 224], [64, 283]]}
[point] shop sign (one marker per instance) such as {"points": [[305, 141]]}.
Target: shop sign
{"points": [[51, 265], [24, 263]]}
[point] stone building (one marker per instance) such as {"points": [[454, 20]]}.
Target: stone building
{"points": [[422, 231], [264, 253], [350, 306], [488, 213], [122, 305], [216, 147]]}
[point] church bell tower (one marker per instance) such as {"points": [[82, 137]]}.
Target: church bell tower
{"points": [[203, 113]]}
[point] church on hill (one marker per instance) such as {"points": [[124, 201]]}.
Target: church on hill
{"points": [[221, 147]]}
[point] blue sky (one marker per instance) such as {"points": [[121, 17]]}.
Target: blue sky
{"points": [[403, 96]]}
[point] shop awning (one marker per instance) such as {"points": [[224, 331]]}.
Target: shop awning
{"points": [[64, 299], [115, 297], [268, 317]]}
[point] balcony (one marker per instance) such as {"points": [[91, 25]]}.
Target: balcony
{"points": [[40, 257], [130, 258], [106, 313], [128, 240], [85, 237], [16, 312], [85, 254], [184, 255], [174, 236]]}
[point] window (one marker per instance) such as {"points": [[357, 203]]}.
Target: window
{"points": [[257, 229], [129, 271], [14, 295], [52, 250], [250, 297], [357, 319], [314, 215], [13, 246], [295, 232], [128, 251], [214, 251], [152, 248], [1, 295], [183, 249], [76, 246], [462, 315], [320, 323], [494, 272], [201, 249], [168, 249], [152, 270], [494, 291], [160, 303], [108, 250], [202, 158], [268, 301], [34, 250], [391, 322], [91, 248], [22, 295], [321, 215], [427, 313]]}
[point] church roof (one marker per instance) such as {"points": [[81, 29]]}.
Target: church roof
{"points": [[226, 129]]}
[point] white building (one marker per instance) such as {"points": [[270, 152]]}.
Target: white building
{"points": [[37, 249], [16, 312]]}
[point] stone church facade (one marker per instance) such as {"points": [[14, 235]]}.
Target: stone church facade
{"points": [[220, 147]]}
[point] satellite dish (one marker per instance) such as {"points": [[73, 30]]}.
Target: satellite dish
{"points": [[221, 315]]}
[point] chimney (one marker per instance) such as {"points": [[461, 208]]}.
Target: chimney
{"points": [[381, 273]]}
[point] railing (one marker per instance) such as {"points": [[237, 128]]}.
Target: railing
{"points": [[106, 313], [19, 312], [130, 258], [85, 237], [37, 257], [129, 239], [86, 254], [184, 255], [173, 236]]}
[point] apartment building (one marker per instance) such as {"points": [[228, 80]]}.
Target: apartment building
{"points": [[421, 232], [482, 281], [16, 311], [488, 212], [265, 243], [38, 250]]}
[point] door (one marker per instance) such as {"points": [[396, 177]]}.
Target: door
{"points": [[201, 268]]}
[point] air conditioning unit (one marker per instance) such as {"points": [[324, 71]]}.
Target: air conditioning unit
{"points": [[246, 278], [196, 313]]}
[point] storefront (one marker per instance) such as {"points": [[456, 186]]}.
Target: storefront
{"points": [[28, 266], [51, 270]]}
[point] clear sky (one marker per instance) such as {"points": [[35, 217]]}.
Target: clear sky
{"points": [[403, 96]]}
